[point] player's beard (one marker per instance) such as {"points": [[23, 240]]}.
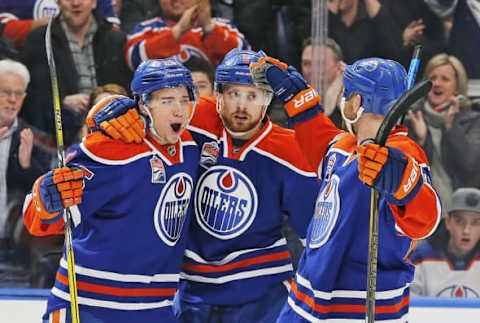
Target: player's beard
{"points": [[232, 125]]}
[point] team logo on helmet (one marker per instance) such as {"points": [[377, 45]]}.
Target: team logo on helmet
{"points": [[171, 210], [44, 8], [225, 202], [327, 208], [458, 291], [368, 65]]}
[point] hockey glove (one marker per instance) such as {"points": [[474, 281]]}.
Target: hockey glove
{"points": [[287, 84], [390, 172], [118, 117], [57, 189]]}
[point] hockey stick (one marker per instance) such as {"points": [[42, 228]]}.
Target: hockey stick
{"points": [[394, 114], [72, 281]]}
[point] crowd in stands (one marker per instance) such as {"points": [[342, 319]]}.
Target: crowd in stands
{"points": [[97, 44]]}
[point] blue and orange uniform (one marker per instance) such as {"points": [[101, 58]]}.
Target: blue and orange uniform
{"points": [[236, 253], [129, 232]]}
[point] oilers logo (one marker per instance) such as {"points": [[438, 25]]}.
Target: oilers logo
{"points": [[44, 8], [327, 208], [187, 51], [225, 202], [171, 210], [458, 291]]}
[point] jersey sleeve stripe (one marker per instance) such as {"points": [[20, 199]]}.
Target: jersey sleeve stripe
{"points": [[284, 163]]}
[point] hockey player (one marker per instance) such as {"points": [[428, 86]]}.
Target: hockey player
{"points": [[129, 205], [331, 280], [185, 29], [252, 173]]}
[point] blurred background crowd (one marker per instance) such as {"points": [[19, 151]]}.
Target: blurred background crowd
{"points": [[98, 43]]}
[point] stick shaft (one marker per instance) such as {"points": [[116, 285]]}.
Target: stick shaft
{"points": [[72, 282]]}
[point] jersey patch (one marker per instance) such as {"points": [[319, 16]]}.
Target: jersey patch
{"points": [[330, 164], [327, 208], [158, 170], [44, 8], [225, 202], [171, 210], [209, 154]]}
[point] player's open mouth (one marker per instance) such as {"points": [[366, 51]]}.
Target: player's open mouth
{"points": [[240, 117], [176, 126]]}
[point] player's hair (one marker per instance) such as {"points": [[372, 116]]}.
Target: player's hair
{"points": [[197, 64], [11, 66], [445, 59], [111, 88], [330, 43]]}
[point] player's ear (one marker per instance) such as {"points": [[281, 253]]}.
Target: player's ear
{"points": [[356, 102]]}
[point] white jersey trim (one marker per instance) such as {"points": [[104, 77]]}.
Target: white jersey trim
{"points": [[129, 278], [256, 141], [202, 132], [111, 304], [238, 276], [196, 257], [300, 311], [113, 162], [381, 295], [284, 163]]}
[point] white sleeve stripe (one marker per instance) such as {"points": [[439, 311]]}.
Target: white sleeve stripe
{"points": [[113, 162], [202, 132]]}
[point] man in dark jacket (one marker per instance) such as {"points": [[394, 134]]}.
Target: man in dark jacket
{"points": [[21, 162], [88, 52]]}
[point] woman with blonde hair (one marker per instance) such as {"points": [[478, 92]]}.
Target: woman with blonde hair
{"points": [[432, 120]]}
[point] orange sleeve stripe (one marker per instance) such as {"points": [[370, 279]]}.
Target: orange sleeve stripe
{"points": [[420, 216], [17, 30], [347, 308], [239, 264], [314, 136], [117, 291], [56, 316]]}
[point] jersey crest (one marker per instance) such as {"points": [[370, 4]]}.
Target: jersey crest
{"points": [[171, 210], [44, 8], [158, 170], [327, 208], [187, 51], [225, 202], [458, 291]]}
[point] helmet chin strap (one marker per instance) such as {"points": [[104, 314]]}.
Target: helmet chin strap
{"points": [[150, 123], [349, 122]]}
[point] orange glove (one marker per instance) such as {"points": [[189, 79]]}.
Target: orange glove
{"points": [[389, 171], [118, 117], [57, 189]]}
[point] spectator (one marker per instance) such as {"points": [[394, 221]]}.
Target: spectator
{"points": [[415, 23], [135, 11], [334, 66], [460, 142], [447, 264], [87, 51], [362, 29], [202, 73], [186, 29], [20, 161], [449, 80]]}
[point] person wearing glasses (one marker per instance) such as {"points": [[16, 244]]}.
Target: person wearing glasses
{"points": [[20, 161]]}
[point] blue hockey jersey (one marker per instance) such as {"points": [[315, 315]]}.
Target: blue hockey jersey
{"points": [[236, 251], [330, 284], [130, 230]]}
